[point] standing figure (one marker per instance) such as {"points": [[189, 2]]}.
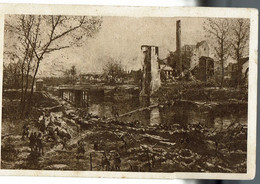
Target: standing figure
{"points": [[64, 143], [96, 143], [117, 161], [32, 139], [39, 143], [42, 127], [81, 150], [105, 164], [25, 131]]}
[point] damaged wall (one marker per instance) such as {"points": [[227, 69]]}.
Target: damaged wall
{"points": [[201, 49], [151, 74]]}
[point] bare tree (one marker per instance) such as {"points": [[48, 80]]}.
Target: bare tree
{"points": [[218, 30], [43, 34], [240, 43], [113, 70], [12, 75], [71, 75], [16, 52]]}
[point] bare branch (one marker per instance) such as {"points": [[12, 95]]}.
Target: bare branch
{"points": [[54, 49]]}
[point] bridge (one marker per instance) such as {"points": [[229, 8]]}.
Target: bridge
{"points": [[78, 95]]}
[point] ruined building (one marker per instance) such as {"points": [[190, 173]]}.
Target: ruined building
{"points": [[186, 57], [181, 62], [204, 71], [233, 74], [151, 73], [200, 50], [192, 53], [192, 57]]}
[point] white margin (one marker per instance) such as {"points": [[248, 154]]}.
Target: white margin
{"points": [[151, 12]]}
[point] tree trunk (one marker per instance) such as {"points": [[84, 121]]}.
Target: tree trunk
{"points": [[23, 104], [26, 85], [239, 71], [22, 95], [31, 93], [222, 73], [21, 100]]}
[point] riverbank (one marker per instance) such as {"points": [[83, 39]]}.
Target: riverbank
{"points": [[196, 91], [171, 146]]}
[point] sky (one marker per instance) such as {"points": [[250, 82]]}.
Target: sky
{"points": [[121, 38]]}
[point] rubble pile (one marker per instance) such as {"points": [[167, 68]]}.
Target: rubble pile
{"points": [[77, 140]]}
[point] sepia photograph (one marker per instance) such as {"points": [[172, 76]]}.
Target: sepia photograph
{"points": [[156, 94]]}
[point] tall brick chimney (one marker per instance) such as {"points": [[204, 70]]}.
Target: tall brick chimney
{"points": [[178, 46]]}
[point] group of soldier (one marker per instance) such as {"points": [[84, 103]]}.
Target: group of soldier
{"points": [[37, 147], [35, 140], [107, 162], [114, 163]]}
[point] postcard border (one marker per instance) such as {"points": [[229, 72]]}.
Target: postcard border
{"points": [[151, 12]]}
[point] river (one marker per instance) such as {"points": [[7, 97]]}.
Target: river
{"points": [[211, 114]]}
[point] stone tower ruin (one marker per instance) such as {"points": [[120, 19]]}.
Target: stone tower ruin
{"points": [[151, 70]]}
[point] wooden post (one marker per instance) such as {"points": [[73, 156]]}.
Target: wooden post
{"points": [[90, 161], [69, 96], [148, 160], [87, 99]]}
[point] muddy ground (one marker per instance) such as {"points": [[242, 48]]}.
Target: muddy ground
{"points": [[158, 148]]}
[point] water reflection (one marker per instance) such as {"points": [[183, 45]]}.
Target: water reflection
{"points": [[155, 118], [218, 116]]}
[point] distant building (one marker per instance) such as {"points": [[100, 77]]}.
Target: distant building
{"points": [[205, 69], [201, 49], [230, 69], [90, 77], [187, 53], [191, 59], [232, 74], [245, 69], [134, 77], [39, 85], [166, 72]]}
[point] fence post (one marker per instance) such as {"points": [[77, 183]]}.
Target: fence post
{"points": [[90, 159]]}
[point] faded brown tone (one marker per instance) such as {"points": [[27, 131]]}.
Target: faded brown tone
{"points": [[191, 118]]}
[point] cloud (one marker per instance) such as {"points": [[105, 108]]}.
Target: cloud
{"points": [[121, 38]]}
